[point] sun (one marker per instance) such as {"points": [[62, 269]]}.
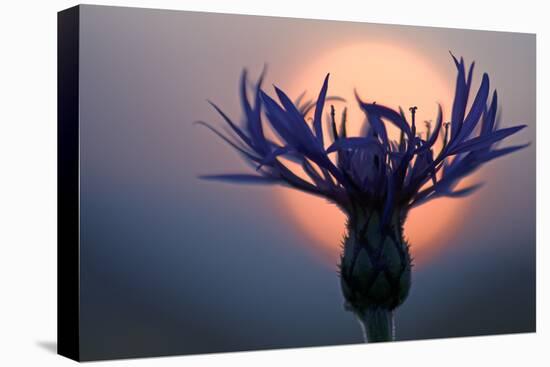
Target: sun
{"points": [[393, 75]]}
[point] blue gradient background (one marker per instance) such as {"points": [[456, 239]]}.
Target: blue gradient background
{"points": [[174, 265]]}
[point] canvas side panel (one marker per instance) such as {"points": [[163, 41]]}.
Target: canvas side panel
{"points": [[68, 215]]}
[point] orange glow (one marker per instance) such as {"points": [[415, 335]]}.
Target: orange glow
{"points": [[427, 227], [391, 75]]}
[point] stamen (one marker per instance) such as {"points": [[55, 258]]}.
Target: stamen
{"points": [[334, 130], [413, 113], [428, 124], [343, 131], [446, 136]]}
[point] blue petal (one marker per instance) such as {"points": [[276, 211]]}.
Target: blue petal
{"points": [[228, 141], [315, 177], [490, 115], [475, 112], [485, 141], [460, 100], [385, 112], [233, 126], [317, 123], [454, 59], [435, 134], [292, 113], [493, 154], [244, 96], [253, 114], [379, 128], [278, 119], [470, 74], [270, 158]]}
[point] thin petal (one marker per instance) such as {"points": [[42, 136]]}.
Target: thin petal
{"points": [[232, 125], [486, 140], [317, 123]]}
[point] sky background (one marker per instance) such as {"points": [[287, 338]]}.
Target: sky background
{"points": [[173, 265]]}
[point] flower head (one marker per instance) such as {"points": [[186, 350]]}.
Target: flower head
{"points": [[370, 169]]}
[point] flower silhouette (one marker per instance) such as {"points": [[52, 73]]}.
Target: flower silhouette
{"points": [[373, 179]]}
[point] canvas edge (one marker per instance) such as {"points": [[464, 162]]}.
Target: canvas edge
{"points": [[68, 167]]}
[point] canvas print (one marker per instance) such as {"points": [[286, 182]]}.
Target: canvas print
{"points": [[249, 183]]}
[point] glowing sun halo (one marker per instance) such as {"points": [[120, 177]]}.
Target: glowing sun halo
{"points": [[391, 75]]}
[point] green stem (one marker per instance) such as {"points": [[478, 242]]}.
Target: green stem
{"points": [[377, 324]]}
